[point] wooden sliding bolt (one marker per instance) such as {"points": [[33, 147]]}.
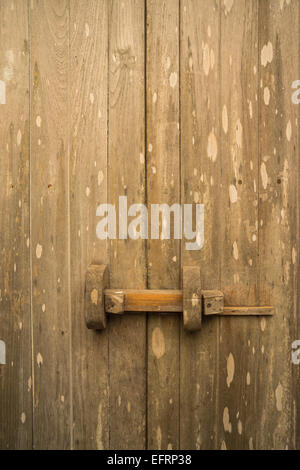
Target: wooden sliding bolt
{"points": [[191, 300]]}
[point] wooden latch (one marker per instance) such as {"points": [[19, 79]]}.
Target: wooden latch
{"points": [[191, 300]]}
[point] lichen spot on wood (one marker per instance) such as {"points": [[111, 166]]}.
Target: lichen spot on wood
{"points": [[94, 296], [158, 343]]}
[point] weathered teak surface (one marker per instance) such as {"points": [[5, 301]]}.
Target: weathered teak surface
{"points": [[163, 101]]}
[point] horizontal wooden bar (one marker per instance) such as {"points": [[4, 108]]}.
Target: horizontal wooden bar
{"points": [[166, 301], [254, 311]]}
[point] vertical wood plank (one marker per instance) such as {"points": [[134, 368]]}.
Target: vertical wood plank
{"points": [[295, 228], [279, 211], [201, 182], [163, 187], [49, 223], [239, 337], [88, 188], [15, 321], [127, 335]]}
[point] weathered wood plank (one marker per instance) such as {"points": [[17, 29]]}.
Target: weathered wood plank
{"points": [[239, 337], [88, 188], [49, 224], [200, 183], [163, 186], [127, 334], [279, 213], [15, 320]]}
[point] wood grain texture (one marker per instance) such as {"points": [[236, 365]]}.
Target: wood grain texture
{"points": [[200, 181], [49, 224], [163, 187], [15, 319], [152, 300], [88, 188], [163, 101], [239, 339], [127, 334], [279, 212]]}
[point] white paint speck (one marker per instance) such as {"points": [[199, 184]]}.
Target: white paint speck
{"points": [[19, 137], [267, 54], [38, 250], [212, 146], [267, 96], [39, 359], [279, 396], [225, 119], [240, 427], [239, 133], [100, 177], [228, 5], [248, 379], [289, 131], [264, 175], [235, 251], [2, 92], [173, 79], [226, 420], [233, 194], [230, 369], [206, 59]]}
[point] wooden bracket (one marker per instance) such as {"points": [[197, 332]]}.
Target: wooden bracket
{"points": [[191, 300]]}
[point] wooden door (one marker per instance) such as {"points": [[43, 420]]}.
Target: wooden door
{"points": [[162, 101]]}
